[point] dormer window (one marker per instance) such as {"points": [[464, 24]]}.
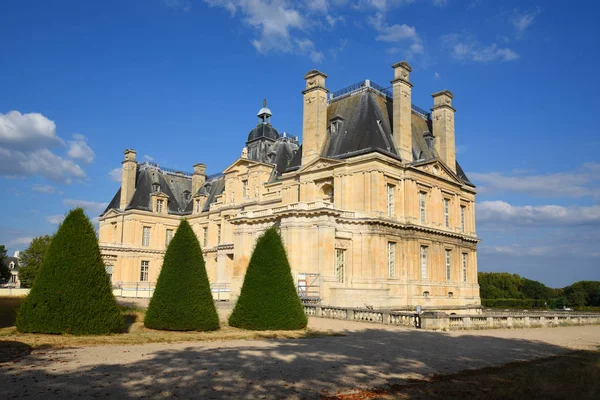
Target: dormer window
{"points": [[11, 266], [155, 187], [187, 195], [336, 124]]}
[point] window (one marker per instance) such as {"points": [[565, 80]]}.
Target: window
{"points": [[159, 205], [218, 233], [109, 272], [391, 259], [422, 206], [340, 255], [13, 279], [156, 187], [450, 295], [448, 266], [144, 271], [390, 200], [447, 213], [462, 218], [245, 188], [11, 266], [198, 209], [464, 266], [187, 195], [168, 237], [205, 241], [425, 294], [146, 236], [423, 262]]}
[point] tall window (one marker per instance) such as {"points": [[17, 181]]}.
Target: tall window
{"points": [[462, 218], [144, 271], [109, 272], [198, 209], [423, 262], [447, 213], [391, 259], [168, 237], [448, 266], [390, 200], [146, 236], [218, 233], [464, 266], [245, 188], [159, 205], [340, 255], [205, 241], [422, 206]]}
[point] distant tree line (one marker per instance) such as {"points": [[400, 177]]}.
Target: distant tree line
{"points": [[501, 289]]}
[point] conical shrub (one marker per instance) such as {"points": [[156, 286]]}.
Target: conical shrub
{"points": [[72, 292], [182, 300], [268, 300]]}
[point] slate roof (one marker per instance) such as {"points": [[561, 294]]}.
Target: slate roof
{"points": [[8, 260], [263, 130]]}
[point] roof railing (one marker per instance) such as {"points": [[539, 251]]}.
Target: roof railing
{"points": [[357, 87], [165, 169]]}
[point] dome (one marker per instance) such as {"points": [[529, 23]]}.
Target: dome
{"points": [[264, 111], [263, 130]]}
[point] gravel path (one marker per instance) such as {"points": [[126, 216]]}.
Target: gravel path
{"points": [[367, 356]]}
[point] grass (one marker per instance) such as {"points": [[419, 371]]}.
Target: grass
{"points": [[574, 375], [134, 333]]}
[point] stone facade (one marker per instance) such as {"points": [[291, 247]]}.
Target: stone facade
{"points": [[390, 226]]}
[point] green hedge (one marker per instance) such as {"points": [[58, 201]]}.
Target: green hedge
{"points": [[71, 293], [182, 300], [513, 303], [268, 300]]}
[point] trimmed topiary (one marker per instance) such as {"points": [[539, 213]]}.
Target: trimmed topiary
{"points": [[268, 300], [182, 300], [72, 292]]}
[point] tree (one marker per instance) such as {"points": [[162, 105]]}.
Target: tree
{"points": [[30, 260], [268, 299], [182, 300], [71, 293], [4, 271]]}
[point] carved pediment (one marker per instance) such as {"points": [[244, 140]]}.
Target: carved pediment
{"points": [[435, 167], [111, 213], [244, 164], [319, 164]]}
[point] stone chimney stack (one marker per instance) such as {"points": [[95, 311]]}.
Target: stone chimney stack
{"points": [[198, 178], [129, 171], [402, 111], [442, 114], [314, 123]]}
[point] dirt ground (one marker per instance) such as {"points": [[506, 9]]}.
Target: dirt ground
{"points": [[367, 356]]}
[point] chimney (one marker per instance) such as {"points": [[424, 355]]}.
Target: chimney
{"points": [[198, 178], [314, 123], [402, 111], [442, 114], [129, 168]]}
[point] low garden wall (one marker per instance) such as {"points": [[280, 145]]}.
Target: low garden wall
{"points": [[443, 321]]}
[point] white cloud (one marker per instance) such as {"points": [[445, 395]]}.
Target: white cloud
{"points": [[25, 140], [55, 219], [278, 24], [14, 163], [92, 207], [396, 33], [25, 132], [440, 3], [79, 149], [148, 158], [48, 189], [115, 174], [522, 21], [19, 242], [436, 75], [584, 181], [332, 21], [497, 212], [464, 47]]}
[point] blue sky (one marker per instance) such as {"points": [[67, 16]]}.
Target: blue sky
{"points": [[181, 81]]}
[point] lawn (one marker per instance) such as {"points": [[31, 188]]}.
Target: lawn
{"points": [[134, 333], [574, 375]]}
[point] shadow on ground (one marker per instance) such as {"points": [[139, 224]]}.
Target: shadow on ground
{"points": [[303, 368]]}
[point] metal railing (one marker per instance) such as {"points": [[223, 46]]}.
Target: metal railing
{"points": [[145, 289], [165, 169]]}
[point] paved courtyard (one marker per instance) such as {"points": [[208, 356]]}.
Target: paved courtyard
{"points": [[368, 355]]}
